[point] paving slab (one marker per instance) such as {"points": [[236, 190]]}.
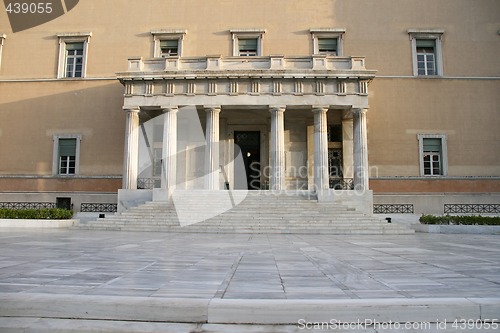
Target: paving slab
{"points": [[265, 279]]}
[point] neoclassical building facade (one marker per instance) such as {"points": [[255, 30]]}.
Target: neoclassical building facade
{"points": [[325, 96]]}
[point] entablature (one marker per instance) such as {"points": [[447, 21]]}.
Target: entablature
{"points": [[237, 81]]}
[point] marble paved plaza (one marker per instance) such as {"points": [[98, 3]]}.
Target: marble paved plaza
{"points": [[249, 266], [152, 282]]}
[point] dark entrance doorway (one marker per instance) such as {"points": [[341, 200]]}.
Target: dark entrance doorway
{"points": [[248, 143]]}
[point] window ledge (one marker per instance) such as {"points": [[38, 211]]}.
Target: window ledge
{"points": [[74, 34], [425, 31], [327, 30]]}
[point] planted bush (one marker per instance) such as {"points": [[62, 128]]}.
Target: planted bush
{"points": [[460, 220], [36, 214]]}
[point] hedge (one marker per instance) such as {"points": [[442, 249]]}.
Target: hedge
{"points": [[460, 220], [36, 214]]}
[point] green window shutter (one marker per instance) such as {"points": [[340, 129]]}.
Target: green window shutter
{"points": [[169, 43], [327, 44], [426, 43], [432, 145], [247, 44], [67, 147], [74, 46]]}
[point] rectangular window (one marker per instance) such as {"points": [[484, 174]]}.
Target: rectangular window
{"points": [[426, 56], [247, 42], [248, 47], [433, 155], [426, 51], [169, 48], [67, 156], [327, 46], [73, 54], [327, 41], [168, 43], [74, 59]]}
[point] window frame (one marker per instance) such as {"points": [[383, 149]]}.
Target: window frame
{"points": [[68, 38], [55, 158], [435, 35], [2, 39], [162, 35], [237, 34], [327, 33], [444, 153]]}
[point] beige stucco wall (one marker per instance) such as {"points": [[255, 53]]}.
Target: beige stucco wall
{"points": [[375, 29], [465, 109], [32, 112]]}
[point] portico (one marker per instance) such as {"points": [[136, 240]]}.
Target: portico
{"points": [[290, 104]]}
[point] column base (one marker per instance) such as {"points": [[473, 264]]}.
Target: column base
{"points": [[327, 195]]}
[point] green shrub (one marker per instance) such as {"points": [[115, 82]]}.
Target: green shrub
{"points": [[36, 214], [460, 220]]}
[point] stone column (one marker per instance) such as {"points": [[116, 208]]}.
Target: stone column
{"points": [[169, 149], [212, 164], [321, 172], [131, 153], [277, 149], [360, 150]]}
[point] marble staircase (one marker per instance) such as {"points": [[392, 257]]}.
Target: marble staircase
{"points": [[258, 212]]}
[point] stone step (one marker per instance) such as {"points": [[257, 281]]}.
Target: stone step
{"points": [[257, 213]]}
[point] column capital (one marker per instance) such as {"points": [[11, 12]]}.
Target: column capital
{"points": [[357, 111], [212, 108], [320, 108], [131, 109], [169, 108], [277, 108]]}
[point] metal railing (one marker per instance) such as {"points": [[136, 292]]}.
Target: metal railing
{"points": [[27, 205], [148, 183], [98, 208], [337, 183], [393, 209], [472, 208]]}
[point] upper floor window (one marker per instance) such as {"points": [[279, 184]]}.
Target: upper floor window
{"points": [[168, 43], [426, 50], [247, 47], [66, 155], [2, 38], [247, 42], [73, 54], [433, 154], [327, 41], [74, 59]]}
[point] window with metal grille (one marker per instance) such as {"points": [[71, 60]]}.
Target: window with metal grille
{"points": [[328, 46], [67, 156], [74, 59], [247, 47], [432, 157], [169, 48], [426, 56]]}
